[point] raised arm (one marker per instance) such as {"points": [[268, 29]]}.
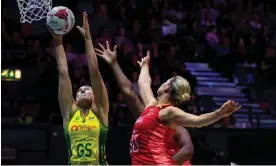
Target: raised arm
{"points": [[144, 82], [134, 104], [183, 138], [65, 95], [181, 118], [97, 84]]}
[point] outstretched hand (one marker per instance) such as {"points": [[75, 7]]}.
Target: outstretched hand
{"points": [[230, 107], [105, 53], [85, 29], [55, 36], [144, 60]]}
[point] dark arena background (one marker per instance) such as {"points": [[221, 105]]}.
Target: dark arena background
{"points": [[224, 48]]}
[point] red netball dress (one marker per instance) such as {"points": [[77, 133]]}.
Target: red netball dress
{"points": [[150, 139]]}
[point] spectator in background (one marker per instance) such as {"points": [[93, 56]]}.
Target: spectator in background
{"points": [[34, 53], [131, 10], [208, 10], [154, 29], [177, 14], [75, 79], [6, 38], [80, 62], [69, 54], [139, 50], [134, 82], [156, 58], [17, 41], [23, 117], [51, 49], [254, 50], [173, 60], [241, 51], [137, 33], [228, 122], [207, 20], [35, 48], [121, 38], [224, 21], [102, 13], [255, 23], [211, 36], [192, 107], [156, 82], [268, 64], [119, 111], [103, 36], [122, 11], [266, 35]]}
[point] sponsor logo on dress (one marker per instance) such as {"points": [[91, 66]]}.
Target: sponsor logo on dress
{"points": [[83, 128], [74, 128]]}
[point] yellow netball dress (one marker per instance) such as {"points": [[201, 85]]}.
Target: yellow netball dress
{"points": [[85, 138]]}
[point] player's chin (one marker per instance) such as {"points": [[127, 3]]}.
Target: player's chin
{"points": [[85, 103]]}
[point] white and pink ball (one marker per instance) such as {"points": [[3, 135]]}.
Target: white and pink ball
{"points": [[60, 20]]}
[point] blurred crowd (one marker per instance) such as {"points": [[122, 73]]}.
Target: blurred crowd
{"points": [[222, 33]]}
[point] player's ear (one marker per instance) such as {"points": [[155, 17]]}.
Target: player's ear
{"points": [[167, 88]]}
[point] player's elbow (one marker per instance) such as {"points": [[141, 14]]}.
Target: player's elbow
{"points": [[184, 155], [126, 89], [189, 155]]}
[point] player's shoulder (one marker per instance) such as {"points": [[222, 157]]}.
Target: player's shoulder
{"points": [[74, 109], [167, 112], [169, 108]]}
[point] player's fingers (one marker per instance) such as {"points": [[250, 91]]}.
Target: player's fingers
{"points": [[100, 55], [115, 48], [86, 17], [101, 46], [99, 51], [80, 29], [107, 45], [148, 53], [83, 17], [238, 108]]}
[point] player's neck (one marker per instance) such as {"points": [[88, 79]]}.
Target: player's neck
{"points": [[163, 99], [84, 112]]}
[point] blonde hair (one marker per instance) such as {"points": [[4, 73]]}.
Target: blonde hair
{"points": [[180, 90]]}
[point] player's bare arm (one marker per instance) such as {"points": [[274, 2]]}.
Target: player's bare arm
{"points": [[97, 84], [183, 138], [144, 82], [177, 116], [65, 95], [110, 57]]}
